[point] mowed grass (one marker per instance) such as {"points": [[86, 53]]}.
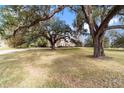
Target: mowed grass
{"points": [[71, 67]]}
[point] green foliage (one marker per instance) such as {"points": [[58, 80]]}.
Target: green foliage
{"points": [[77, 43], [115, 38], [39, 42], [119, 41], [39, 35], [106, 42], [54, 30], [57, 26], [79, 21], [15, 41], [89, 42], [2, 33], [15, 16], [100, 12]]}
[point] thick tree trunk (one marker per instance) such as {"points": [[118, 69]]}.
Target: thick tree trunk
{"points": [[102, 47], [52, 45], [98, 47]]}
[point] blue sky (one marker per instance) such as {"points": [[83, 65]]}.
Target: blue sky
{"points": [[67, 16]]}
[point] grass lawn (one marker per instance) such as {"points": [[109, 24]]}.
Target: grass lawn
{"points": [[72, 67]]}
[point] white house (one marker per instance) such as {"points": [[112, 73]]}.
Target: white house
{"points": [[64, 43]]}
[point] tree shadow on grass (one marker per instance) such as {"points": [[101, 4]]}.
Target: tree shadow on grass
{"points": [[61, 73], [106, 58], [69, 71]]}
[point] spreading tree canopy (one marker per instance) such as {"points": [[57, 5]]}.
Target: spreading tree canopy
{"points": [[97, 17]]}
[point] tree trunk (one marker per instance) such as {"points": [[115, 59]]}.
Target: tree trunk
{"points": [[102, 47], [98, 47], [52, 45]]}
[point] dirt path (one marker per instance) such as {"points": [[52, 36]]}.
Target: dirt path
{"points": [[11, 51], [15, 50]]}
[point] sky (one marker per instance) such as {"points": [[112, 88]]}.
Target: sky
{"points": [[67, 16]]}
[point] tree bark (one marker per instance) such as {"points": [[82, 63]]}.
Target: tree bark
{"points": [[52, 45], [98, 46], [102, 46], [36, 21]]}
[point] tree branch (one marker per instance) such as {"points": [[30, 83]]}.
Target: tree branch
{"points": [[71, 7], [115, 27], [87, 9], [61, 7], [62, 37], [110, 15]]}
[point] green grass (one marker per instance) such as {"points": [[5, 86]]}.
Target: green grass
{"points": [[67, 67]]}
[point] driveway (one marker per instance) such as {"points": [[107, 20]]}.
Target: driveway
{"points": [[11, 51]]}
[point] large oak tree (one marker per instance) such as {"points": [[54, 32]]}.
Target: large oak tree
{"points": [[97, 31], [53, 30], [97, 17]]}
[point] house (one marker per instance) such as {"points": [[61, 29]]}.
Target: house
{"points": [[63, 43]]}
